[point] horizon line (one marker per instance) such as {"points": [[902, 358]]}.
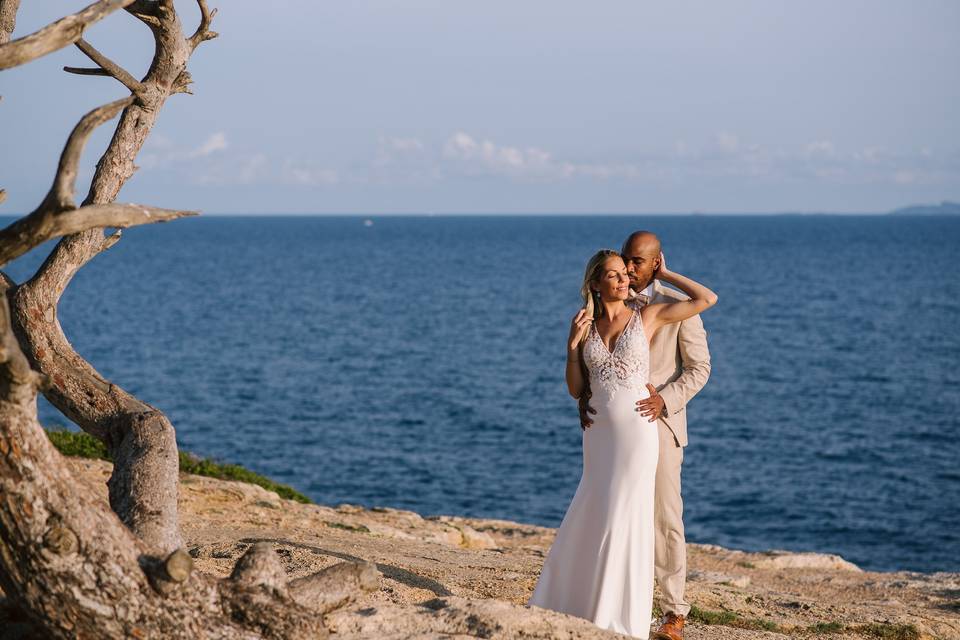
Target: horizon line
{"points": [[437, 213], [367, 214]]}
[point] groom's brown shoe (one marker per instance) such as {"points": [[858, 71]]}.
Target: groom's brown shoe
{"points": [[671, 629]]}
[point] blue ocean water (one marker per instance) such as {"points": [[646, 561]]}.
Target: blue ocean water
{"points": [[418, 363]]}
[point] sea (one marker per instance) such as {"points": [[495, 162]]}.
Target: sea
{"points": [[417, 362]]}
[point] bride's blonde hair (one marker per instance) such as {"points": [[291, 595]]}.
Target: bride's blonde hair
{"points": [[591, 298]]}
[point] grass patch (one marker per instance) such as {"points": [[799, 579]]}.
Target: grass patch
{"points": [[705, 616], [83, 445], [762, 625], [731, 619], [890, 631], [883, 631]]}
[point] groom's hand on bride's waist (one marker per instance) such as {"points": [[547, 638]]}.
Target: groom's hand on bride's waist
{"points": [[651, 407], [583, 403]]}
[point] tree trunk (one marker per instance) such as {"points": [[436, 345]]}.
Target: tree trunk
{"points": [[144, 485]]}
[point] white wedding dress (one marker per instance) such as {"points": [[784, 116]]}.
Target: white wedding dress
{"points": [[600, 566]]}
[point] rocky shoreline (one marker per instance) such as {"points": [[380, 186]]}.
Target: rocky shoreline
{"points": [[446, 576]]}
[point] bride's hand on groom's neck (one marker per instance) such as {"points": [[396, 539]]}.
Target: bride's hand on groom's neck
{"points": [[661, 272]]}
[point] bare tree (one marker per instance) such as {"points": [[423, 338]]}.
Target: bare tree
{"points": [[140, 438], [73, 567]]}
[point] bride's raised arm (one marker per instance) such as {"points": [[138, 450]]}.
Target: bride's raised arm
{"points": [[663, 313], [578, 330]]}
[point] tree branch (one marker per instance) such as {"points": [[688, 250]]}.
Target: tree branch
{"points": [[109, 66], [15, 372], [31, 231], [56, 35], [334, 586], [203, 32], [113, 214], [48, 219], [8, 19], [87, 71], [57, 215], [60, 196], [145, 11]]}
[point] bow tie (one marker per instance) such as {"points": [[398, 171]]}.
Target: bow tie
{"points": [[642, 299]]}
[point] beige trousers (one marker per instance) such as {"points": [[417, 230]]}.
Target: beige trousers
{"points": [[670, 546]]}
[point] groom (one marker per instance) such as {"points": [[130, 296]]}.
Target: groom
{"points": [[679, 367]]}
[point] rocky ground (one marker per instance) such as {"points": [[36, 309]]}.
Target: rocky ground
{"points": [[452, 577]]}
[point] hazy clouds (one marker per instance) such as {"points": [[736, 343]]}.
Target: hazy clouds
{"points": [[539, 105]]}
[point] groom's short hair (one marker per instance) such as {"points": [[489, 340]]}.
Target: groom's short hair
{"points": [[638, 234]]}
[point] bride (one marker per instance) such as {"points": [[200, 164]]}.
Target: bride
{"points": [[600, 566]]}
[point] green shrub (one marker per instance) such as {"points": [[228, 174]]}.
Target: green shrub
{"points": [[83, 445], [826, 627], [78, 444], [190, 463]]}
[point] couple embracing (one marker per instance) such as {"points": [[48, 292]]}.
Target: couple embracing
{"points": [[637, 352]]}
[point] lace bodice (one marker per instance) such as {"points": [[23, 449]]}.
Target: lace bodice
{"points": [[627, 366]]}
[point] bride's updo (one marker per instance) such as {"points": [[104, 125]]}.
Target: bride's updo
{"points": [[591, 298]]}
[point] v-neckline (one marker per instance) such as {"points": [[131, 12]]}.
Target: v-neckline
{"points": [[616, 342]]}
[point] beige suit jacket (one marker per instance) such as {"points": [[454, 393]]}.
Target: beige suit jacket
{"points": [[679, 363]]}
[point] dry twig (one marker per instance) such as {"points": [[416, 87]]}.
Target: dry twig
{"points": [[106, 67], [56, 35]]}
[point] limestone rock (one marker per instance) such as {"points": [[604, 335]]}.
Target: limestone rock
{"points": [[470, 538], [461, 617], [715, 577], [788, 560], [473, 539]]}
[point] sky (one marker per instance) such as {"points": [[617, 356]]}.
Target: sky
{"points": [[524, 106]]}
